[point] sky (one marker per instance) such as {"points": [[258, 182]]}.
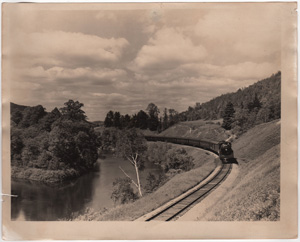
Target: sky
{"points": [[124, 58]]}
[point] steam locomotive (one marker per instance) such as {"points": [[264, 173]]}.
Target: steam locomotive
{"points": [[222, 149]]}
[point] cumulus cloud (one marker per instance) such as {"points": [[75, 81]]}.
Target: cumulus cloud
{"points": [[239, 71], [79, 77], [168, 49], [129, 104], [68, 49], [106, 16], [233, 32], [200, 82], [123, 60]]}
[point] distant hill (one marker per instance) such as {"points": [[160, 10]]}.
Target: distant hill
{"points": [[256, 104], [97, 123], [267, 91]]}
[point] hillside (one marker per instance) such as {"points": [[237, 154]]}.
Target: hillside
{"points": [[199, 129], [256, 104], [255, 194], [16, 107], [267, 91]]}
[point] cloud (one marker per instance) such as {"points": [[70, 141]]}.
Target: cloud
{"points": [[126, 104], [65, 49], [106, 15], [189, 83], [76, 75], [123, 60], [238, 72], [234, 32], [168, 49]]}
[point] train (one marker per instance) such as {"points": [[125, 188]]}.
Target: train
{"points": [[223, 148]]}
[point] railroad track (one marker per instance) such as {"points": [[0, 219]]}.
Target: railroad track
{"points": [[180, 207]]}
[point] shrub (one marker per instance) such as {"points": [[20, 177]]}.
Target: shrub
{"points": [[123, 191], [153, 182], [178, 159]]}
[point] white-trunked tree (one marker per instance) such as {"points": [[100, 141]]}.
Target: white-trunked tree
{"points": [[131, 145]]}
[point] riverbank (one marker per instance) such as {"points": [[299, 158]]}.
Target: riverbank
{"points": [[45, 176], [204, 161]]}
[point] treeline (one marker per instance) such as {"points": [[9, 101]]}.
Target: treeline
{"points": [[60, 140], [149, 119], [258, 103]]}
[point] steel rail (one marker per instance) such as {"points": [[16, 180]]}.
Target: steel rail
{"points": [[183, 205]]}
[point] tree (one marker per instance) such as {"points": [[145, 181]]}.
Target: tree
{"points": [[178, 159], [72, 111], [255, 104], [74, 143], [152, 110], [16, 146], [31, 116], [132, 146], [125, 121], [157, 152], [228, 116], [133, 122], [173, 117], [165, 121], [109, 119], [49, 119], [123, 191], [197, 106], [153, 182], [117, 120], [108, 139], [16, 116], [153, 121], [141, 119]]}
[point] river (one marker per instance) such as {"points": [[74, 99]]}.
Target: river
{"points": [[41, 202]]}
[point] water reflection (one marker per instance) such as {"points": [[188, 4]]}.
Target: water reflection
{"points": [[40, 202], [37, 201]]}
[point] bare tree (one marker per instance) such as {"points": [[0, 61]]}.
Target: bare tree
{"points": [[132, 146]]}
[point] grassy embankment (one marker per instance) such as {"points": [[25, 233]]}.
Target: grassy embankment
{"points": [[204, 164], [255, 194], [199, 129]]}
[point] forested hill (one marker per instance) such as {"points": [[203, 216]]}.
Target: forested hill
{"points": [[16, 107], [258, 103]]}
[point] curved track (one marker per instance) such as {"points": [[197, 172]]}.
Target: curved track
{"points": [[180, 207]]}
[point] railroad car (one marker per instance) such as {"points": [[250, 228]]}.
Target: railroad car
{"points": [[223, 148]]}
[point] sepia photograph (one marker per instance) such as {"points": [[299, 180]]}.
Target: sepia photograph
{"points": [[150, 113]]}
